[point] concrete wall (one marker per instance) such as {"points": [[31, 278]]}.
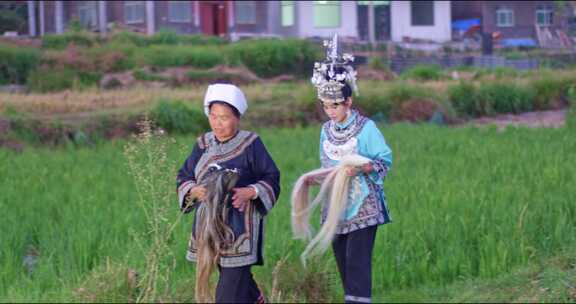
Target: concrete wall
{"points": [[402, 22]]}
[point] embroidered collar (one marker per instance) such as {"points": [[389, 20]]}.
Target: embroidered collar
{"points": [[339, 134]]}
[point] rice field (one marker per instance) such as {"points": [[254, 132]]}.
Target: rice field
{"points": [[467, 204]]}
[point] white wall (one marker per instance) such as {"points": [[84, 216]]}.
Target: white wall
{"points": [[348, 20], [402, 22]]}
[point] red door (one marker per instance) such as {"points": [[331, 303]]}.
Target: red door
{"points": [[214, 17]]}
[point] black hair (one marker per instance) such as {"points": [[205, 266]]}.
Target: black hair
{"points": [[346, 89], [234, 110]]}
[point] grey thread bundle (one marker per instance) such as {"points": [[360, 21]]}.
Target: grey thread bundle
{"points": [[212, 233]]}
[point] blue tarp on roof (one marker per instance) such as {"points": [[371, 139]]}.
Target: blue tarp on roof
{"points": [[518, 42], [465, 24]]}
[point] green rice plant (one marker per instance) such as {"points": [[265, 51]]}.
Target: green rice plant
{"points": [[470, 207]]}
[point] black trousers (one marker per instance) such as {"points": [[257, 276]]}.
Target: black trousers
{"points": [[353, 252], [236, 285]]}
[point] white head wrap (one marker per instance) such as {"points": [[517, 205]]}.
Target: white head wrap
{"points": [[227, 93]]}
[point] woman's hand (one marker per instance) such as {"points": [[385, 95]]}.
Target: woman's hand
{"points": [[311, 180], [198, 193], [242, 197], [353, 171]]}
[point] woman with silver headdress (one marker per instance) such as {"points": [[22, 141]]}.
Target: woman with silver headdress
{"points": [[254, 194], [348, 133]]}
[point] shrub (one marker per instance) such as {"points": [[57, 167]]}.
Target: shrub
{"points": [[17, 63], [175, 116], [209, 77], [414, 110], [165, 36], [202, 40], [166, 56], [145, 76], [272, 57], [503, 98], [378, 63], [114, 57], [378, 101], [61, 41], [43, 80], [73, 57], [548, 91], [463, 98], [423, 72], [126, 37], [571, 113], [401, 92], [11, 20], [504, 72]]}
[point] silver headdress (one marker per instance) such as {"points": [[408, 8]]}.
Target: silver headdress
{"points": [[329, 75]]}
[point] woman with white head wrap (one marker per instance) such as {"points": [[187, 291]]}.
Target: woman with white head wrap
{"points": [[256, 191]]}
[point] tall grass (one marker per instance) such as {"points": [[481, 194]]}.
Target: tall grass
{"points": [[466, 203]]}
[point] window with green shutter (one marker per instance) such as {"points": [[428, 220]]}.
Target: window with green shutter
{"points": [[179, 11], [287, 13], [326, 13]]}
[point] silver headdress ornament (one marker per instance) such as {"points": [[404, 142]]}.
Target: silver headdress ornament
{"points": [[329, 74]]}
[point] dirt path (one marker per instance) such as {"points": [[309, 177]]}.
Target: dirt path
{"points": [[549, 119]]}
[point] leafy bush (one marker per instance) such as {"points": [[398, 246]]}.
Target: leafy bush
{"points": [[374, 100], [175, 116], [166, 56], [272, 57], [490, 98], [165, 36], [503, 98], [378, 63], [414, 110], [423, 72], [61, 41], [202, 40], [571, 113], [11, 20], [17, 63], [43, 80], [145, 76], [463, 97], [126, 37], [549, 91], [115, 57], [504, 72]]}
